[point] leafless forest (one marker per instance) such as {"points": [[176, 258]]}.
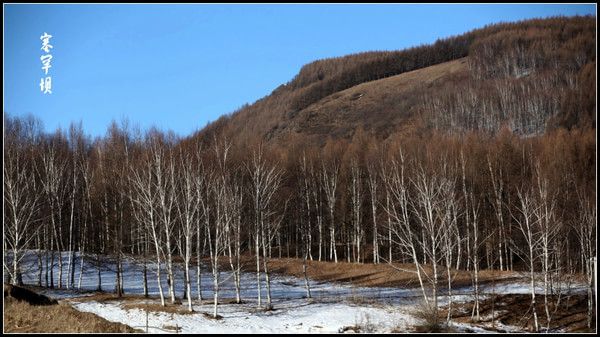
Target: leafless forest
{"points": [[496, 172]]}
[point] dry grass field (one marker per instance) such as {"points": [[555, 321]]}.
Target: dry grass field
{"points": [[22, 317]]}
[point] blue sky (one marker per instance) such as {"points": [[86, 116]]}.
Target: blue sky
{"points": [[178, 67]]}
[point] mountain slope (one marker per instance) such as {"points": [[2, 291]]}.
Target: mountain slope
{"points": [[383, 106], [528, 76]]}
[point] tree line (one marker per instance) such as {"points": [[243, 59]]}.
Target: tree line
{"points": [[436, 202]]}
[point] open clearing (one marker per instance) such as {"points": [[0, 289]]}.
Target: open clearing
{"points": [[341, 301]]}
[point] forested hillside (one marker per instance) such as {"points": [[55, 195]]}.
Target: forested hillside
{"points": [[531, 76]]}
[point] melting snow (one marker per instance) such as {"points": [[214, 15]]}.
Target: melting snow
{"points": [[333, 307]]}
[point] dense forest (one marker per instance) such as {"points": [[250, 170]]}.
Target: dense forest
{"points": [[499, 173]]}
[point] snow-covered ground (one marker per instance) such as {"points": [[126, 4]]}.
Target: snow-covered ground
{"points": [[293, 316], [333, 307]]}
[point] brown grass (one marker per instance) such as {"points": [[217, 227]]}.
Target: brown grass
{"points": [[108, 297], [383, 105], [172, 328], [368, 274], [156, 307], [20, 316], [151, 304]]}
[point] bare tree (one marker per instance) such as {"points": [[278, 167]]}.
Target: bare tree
{"points": [[215, 235], [585, 228], [372, 181], [432, 207], [474, 256], [356, 200], [87, 175], [526, 222], [233, 233], [386, 177], [467, 213], [316, 194], [497, 189], [451, 239], [216, 216], [266, 180], [329, 179], [53, 180], [305, 226], [400, 221], [549, 227], [76, 142], [22, 202], [188, 208], [305, 238], [164, 168], [271, 226], [201, 226], [144, 200], [306, 186], [232, 204]]}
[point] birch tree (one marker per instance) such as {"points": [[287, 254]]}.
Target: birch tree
{"points": [[474, 256], [165, 190], [87, 175], [216, 227], [373, 183], [53, 181], [329, 179], [356, 200], [316, 195], [22, 203], [585, 228], [526, 222], [188, 208], [405, 236], [431, 205], [265, 181], [234, 209], [144, 199], [76, 142], [549, 227], [306, 195]]}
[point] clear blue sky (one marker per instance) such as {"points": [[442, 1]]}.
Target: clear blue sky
{"points": [[180, 66]]}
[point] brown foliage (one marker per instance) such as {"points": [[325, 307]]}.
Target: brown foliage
{"points": [[550, 62], [433, 116]]}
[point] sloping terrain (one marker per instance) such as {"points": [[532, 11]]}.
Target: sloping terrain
{"points": [[384, 106], [23, 312], [531, 76]]}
